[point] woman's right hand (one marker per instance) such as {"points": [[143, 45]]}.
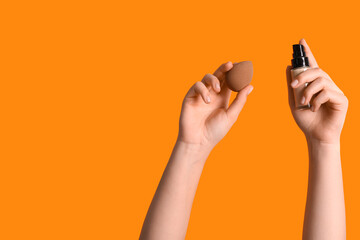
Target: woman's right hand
{"points": [[206, 115], [325, 120]]}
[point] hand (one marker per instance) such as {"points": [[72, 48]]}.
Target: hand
{"points": [[205, 116], [324, 121]]}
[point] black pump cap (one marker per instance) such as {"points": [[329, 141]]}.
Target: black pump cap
{"points": [[299, 57]]}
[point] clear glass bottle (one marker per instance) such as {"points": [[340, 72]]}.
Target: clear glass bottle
{"points": [[300, 63]]}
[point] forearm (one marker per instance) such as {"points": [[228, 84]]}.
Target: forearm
{"points": [[169, 212], [325, 208]]}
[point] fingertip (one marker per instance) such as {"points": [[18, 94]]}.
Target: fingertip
{"points": [[294, 83], [313, 108], [251, 88], [228, 66], [207, 99], [217, 87], [303, 100], [304, 43], [206, 96], [306, 46], [245, 91]]}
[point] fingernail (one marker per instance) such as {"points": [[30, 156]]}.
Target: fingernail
{"points": [[294, 83], [303, 100], [250, 90], [208, 99], [217, 86]]}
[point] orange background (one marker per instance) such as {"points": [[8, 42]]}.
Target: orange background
{"points": [[91, 94]]}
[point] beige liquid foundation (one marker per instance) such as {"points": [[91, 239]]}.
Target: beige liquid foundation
{"points": [[300, 63]]}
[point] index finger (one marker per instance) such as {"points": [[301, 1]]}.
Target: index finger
{"points": [[220, 73], [309, 54]]}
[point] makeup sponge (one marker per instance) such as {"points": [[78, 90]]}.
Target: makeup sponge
{"points": [[239, 76]]}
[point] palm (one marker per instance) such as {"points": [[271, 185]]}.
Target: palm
{"points": [[201, 122]]}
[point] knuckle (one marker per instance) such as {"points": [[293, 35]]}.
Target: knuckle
{"points": [[318, 70], [207, 76], [223, 65], [307, 92], [197, 85], [326, 92], [212, 77], [300, 77], [315, 103], [322, 80]]}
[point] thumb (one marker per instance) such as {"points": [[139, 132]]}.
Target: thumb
{"points": [[309, 54], [237, 105]]}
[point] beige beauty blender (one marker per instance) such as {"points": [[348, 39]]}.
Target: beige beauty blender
{"points": [[239, 76]]}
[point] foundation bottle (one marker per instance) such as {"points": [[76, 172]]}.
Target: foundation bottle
{"points": [[300, 63]]}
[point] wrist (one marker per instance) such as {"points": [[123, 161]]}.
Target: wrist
{"points": [[193, 151], [322, 143], [323, 151]]}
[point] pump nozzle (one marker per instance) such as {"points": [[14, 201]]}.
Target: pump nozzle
{"points": [[299, 57]]}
